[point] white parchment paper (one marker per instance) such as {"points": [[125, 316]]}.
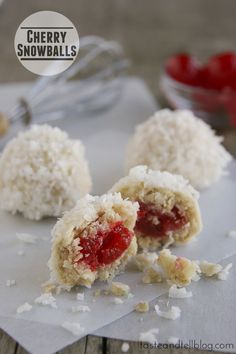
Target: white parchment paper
{"points": [[105, 137]]}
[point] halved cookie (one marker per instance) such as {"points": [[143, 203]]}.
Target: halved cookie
{"points": [[93, 240], [168, 206]]}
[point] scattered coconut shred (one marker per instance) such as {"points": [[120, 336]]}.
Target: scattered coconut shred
{"points": [[180, 143], [224, 273], [73, 327], [10, 282], [179, 293], [24, 308], [46, 300], [149, 336], [172, 314], [80, 308], [125, 347], [209, 269], [80, 296], [117, 301]]}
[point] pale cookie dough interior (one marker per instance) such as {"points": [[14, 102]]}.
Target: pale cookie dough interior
{"points": [[93, 240]]}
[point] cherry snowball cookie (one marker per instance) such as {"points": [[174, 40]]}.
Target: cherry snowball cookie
{"points": [[42, 173], [93, 241], [168, 207], [180, 143]]}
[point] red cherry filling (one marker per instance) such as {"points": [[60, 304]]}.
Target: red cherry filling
{"points": [[153, 222], [105, 246]]}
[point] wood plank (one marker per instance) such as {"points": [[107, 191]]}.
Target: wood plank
{"points": [[115, 346], [95, 345], [76, 348], [20, 350], [7, 344]]}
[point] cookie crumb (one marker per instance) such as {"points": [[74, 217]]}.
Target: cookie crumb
{"points": [[119, 289], [142, 306], [152, 275]]}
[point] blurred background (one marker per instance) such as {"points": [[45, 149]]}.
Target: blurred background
{"points": [[150, 31]]}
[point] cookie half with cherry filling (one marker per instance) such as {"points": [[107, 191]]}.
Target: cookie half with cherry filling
{"points": [[168, 207], [93, 241]]}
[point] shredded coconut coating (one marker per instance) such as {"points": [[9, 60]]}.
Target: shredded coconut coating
{"points": [[89, 214], [165, 191], [42, 173], [177, 270], [179, 142]]}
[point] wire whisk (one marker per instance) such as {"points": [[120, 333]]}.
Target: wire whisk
{"points": [[92, 83]]}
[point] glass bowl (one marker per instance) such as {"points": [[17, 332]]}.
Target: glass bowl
{"points": [[216, 108]]}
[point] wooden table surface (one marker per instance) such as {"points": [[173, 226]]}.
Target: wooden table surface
{"points": [[149, 31]]}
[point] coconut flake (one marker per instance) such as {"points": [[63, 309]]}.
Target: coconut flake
{"points": [[80, 296], [24, 308], [172, 314], [73, 327], [125, 347], [149, 336], [117, 301], [26, 238], [223, 274], [10, 282], [179, 293], [209, 269], [46, 300], [80, 308]]}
